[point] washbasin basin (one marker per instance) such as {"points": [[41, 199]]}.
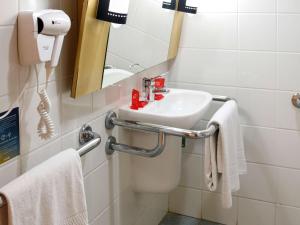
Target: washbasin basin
{"points": [[112, 76], [179, 108]]}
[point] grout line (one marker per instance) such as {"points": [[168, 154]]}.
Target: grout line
{"points": [[228, 86], [242, 50]]}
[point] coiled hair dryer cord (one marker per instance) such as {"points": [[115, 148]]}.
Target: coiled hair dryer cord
{"points": [[45, 128]]}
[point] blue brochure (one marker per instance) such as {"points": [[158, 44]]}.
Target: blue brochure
{"points": [[9, 136]]}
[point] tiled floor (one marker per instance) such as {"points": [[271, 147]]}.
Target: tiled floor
{"points": [[176, 219]]}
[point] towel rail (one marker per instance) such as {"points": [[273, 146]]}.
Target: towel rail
{"points": [[112, 120], [88, 140]]}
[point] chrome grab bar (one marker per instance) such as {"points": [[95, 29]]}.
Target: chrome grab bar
{"points": [[88, 140], [112, 145], [112, 120]]}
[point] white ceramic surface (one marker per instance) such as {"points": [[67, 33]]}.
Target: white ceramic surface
{"points": [[179, 108]]}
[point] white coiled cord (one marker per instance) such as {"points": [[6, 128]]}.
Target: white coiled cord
{"points": [[45, 128]]}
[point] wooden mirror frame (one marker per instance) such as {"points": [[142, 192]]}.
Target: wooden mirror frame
{"points": [[92, 45]]}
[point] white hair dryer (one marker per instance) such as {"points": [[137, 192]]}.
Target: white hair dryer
{"points": [[41, 35]]}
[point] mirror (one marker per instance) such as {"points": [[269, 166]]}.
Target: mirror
{"points": [[139, 44], [107, 54]]}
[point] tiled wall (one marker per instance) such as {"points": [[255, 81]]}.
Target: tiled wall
{"points": [[249, 50], [107, 179]]}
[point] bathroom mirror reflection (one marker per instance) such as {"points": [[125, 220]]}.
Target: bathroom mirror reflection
{"points": [[139, 44]]}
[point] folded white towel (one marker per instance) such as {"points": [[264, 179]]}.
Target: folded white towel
{"points": [[224, 153], [49, 194]]}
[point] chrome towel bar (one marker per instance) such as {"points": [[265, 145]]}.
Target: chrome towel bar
{"points": [[88, 140], [112, 120]]}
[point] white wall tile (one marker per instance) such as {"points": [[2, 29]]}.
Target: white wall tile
{"points": [[213, 210], [288, 6], [192, 171], [8, 13], [217, 6], [286, 215], [287, 116], [186, 201], [195, 146], [255, 212], [257, 31], [286, 148], [256, 107], [98, 191], [288, 33], [288, 70], [288, 184], [214, 31], [270, 146], [206, 66], [262, 149], [74, 112], [267, 6], [265, 179], [38, 4], [8, 60], [257, 70], [9, 171], [36, 157]]}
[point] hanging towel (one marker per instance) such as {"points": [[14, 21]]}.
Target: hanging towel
{"points": [[49, 194], [224, 153]]}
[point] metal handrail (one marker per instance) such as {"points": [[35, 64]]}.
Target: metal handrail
{"points": [[155, 128], [112, 146], [112, 120]]}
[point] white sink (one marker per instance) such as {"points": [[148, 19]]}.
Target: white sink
{"points": [[112, 76], [180, 108]]}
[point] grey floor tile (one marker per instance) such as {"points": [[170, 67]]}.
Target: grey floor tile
{"points": [[177, 219]]}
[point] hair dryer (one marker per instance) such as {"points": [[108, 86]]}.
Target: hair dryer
{"points": [[41, 35]]}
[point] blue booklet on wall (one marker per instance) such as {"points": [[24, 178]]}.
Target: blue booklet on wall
{"points": [[9, 136]]}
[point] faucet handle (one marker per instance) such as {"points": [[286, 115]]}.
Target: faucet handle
{"points": [[146, 83]]}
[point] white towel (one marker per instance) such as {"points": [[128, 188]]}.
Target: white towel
{"points": [[224, 153], [49, 194]]}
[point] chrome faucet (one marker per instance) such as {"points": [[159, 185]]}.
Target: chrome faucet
{"points": [[149, 89], [148, 85]]}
